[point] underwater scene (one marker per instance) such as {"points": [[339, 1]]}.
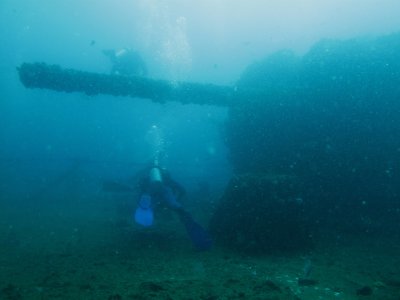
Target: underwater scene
{"points": [[207, 149]]}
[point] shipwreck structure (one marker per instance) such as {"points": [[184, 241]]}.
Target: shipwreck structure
{"points": [[329, 121]]}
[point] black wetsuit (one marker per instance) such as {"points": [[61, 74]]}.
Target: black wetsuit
{"points": [[167, 191]]}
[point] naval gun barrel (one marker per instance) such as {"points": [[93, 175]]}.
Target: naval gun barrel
{"points": [[53, 77]]}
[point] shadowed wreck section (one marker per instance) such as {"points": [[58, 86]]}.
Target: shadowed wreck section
{"points": [[261, 213], [322, 158]]}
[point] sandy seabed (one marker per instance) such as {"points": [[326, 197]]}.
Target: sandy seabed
{"points": [[59, 257]]}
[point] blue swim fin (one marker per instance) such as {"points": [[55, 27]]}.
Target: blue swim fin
{"points": [[144, 212], [199, 236]]}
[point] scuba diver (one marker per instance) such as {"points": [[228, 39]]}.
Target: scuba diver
{"points": [[126, 62], [157, 186]]}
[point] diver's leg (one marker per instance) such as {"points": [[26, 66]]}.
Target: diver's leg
{"points": [[197, 234]]}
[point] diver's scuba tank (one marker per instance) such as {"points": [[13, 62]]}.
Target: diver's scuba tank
{"points": [[155, 175], [155, 172], [155, 178]]}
